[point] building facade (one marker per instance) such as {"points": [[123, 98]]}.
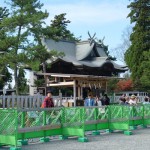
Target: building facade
{"points": [[85, 64]]}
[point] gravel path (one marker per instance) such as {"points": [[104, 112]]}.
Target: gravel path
{"points": [[140, 140]]}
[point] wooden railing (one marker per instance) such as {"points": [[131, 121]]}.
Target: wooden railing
{"points": [[139, 98], [13, 101]]}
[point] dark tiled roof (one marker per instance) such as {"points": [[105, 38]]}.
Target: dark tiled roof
{"points": [[81, 53]]}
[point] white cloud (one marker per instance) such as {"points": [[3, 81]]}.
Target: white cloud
{"points": [[82, 12]]}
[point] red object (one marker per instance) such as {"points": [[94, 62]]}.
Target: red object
{"points": [[48, 102], [124, 85]]}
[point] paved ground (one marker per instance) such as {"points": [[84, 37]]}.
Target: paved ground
{"points": [[140, 140]]}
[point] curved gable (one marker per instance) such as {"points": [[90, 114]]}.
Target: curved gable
{"points": [[83, 50], [101, 52]]}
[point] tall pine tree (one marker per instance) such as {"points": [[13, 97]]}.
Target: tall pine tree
{"points": [[58, 29], [137, 56], [4, 45], [25, 15]]}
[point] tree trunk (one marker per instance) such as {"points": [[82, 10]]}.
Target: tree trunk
{"points": [[45, 77], [16, 79], [16, 69]]}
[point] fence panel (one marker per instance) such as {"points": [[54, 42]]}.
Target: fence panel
{"points": [[35, 123], [119, 117], [136, 115], [90, 118], [146, 114], [102, 118], [73, 121], [8, 127]]}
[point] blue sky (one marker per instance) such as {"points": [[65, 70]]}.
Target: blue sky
{"points": [[106, 18]]}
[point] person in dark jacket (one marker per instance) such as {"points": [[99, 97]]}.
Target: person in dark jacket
{"points": [[105, 100]]}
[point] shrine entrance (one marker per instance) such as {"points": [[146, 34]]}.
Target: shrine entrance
{"points": [[81, 84]]}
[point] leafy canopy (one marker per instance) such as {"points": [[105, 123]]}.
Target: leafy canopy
{"points": [[25, 15], [137, 56]]}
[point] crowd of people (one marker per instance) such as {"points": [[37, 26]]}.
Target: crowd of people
{"points": [[89, 101], [97, 101], [132, 100]]}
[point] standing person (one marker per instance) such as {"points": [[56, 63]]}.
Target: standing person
{"points": [[146, 100], [133, 100], [98, 101], [48, 101], [105, 100], [122, 99], [89, 101], [127, 100]]}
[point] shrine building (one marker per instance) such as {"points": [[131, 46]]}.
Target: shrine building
{"points": [[85, 64]]}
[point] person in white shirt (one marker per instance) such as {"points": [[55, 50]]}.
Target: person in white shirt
{"points": [[133, 100], [98, 101]]}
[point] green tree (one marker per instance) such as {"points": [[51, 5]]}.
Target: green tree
{"points": [[137, 56], [4, 45], [39, 55], [57, 30], [18, 25], [111, 85], [4, 12], [6, 76], [22, 81]]}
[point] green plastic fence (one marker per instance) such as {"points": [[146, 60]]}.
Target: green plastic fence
{"points": [[146, 115], [20, 125], [8, 127], [73, 121]]}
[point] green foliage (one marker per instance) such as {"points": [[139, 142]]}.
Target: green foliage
{"points": [[9, 86], [137, 56], [66, 91], [25, 16], [145, 79], [4, 44], [21, 32], [22, 82], [58, 29], [112, 85], [6, 78], [39, 82]]}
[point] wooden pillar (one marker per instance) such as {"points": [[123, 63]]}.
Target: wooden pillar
{"points": [[46, 84], [74, 93], [81, 92], [106, 87]]}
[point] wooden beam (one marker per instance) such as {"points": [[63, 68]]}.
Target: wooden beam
{"points": [[74, 93], [78, 76], [71, 83]]}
